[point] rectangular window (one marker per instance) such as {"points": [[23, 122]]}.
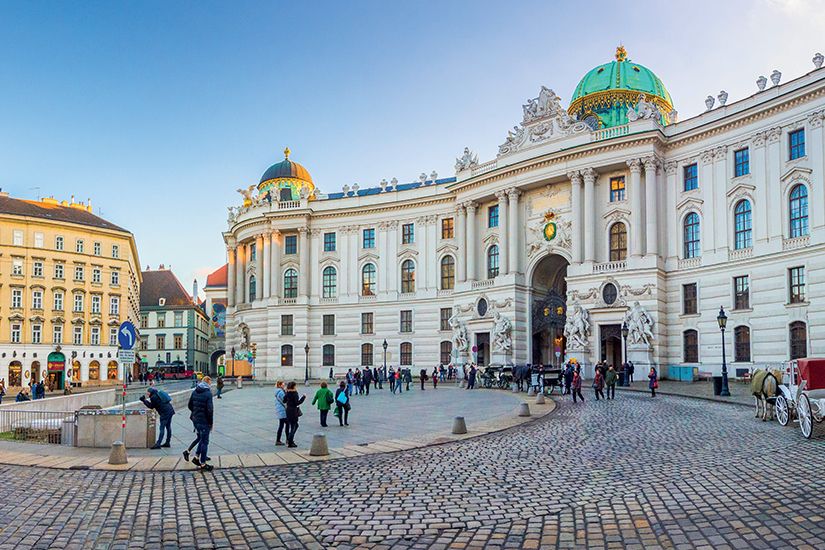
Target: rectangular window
{"points": [[94, 336], [96, 275], [96, 249], [17, 297], [741, 292], [178, 319], [492, 216], [178, 341], [38, 240], [95, 303], [37, 334], [287, 326], [691, 175], [37, 269], [366, 355], [796, 276], [77, 336], [115, 278], [57, 334], [115, 251], [796, 144], [160, 341], [446, 313], [741, 162], [617, 189], [15, 333], [369, 238], [78, 302], [78, 246], [17, 267], [329, 242], [367, 323], [161, 320], [144, 343], [78, 273], [114, 305], [58, 271], [690, 305], [58, 300], [447, 228], [113, 336], [144, 320], [37, 299], [291, 244], [406, 320], [408, 233], [17, 237], [58, 243], [329, 325]]}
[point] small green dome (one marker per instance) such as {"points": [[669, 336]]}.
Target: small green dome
{"points": [[608, 90], [286, 179]]}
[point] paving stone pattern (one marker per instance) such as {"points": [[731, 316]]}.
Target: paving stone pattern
{"points": [[636, 472]]}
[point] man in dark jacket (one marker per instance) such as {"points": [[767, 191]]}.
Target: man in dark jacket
{"points": [[367, 379], [200, 403], [162, 403]]}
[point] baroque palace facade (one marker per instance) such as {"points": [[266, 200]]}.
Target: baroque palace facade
{"points": [[69, 278], [606, 213]]}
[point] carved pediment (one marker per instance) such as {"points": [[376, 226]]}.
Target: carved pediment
{"points": [[16, 317], [617, 214], [795, 173], [407, 253], [690, 202], [445, 249]]}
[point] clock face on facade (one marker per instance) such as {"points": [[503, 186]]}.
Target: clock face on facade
{"points": [[550, 231]]}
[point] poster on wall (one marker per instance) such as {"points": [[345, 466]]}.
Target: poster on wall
{"points": [[218, 318]]}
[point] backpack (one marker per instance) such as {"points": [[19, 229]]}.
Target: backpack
{"points": [[164, 397]]}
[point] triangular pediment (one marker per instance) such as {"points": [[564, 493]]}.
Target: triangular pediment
{"points": [[367, 256], [444, 248], [741, 188], [797, 172], [690, 201], [620, 212]]}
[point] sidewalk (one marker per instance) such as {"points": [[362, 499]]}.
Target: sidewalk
{"points": [[740, 393]]}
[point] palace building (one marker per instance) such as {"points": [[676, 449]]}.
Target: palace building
{"points": [[69, 278], [607, 213]]}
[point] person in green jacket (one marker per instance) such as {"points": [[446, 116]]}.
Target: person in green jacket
{"points": [[324, 399], [610, 379]]}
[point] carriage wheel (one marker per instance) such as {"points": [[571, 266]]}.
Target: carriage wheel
{"points": [[806, 419], [758, 402], [783, 413]]}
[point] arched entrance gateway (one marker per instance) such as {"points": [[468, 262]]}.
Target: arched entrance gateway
{"points": [[217, 363], [548, 309]]}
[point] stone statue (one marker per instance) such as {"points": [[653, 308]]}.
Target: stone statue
{"points": [[818, 59], [761, 82], [466, 161], [723, 98], [776, 76], [244, 337], [643, 109], [639, 325], [577, 328], [709, 101], [501, 333], [460, 339], [248, 198]]}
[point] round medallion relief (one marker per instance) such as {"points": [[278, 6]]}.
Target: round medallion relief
{"points": [[609, 294], [481, 307]]}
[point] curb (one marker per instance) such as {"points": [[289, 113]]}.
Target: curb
{"points": [[701, 397]]}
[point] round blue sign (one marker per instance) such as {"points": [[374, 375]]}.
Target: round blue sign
{"points": [[126, 335]]}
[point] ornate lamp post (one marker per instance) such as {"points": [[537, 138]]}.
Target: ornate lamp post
{"points": [[232, 351], [625, 331], [306, 355], [722, 319], [385, 345]]}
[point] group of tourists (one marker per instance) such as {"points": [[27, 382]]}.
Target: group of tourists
{"points": [[605, 376]]}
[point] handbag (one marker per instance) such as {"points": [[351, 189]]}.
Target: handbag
{"points": [[300, 412], [342, 398], [655, 384], [330, 399]]}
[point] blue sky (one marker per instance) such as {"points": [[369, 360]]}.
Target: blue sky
{"points": [[159, 111]]}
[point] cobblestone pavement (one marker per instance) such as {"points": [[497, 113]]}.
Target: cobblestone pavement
{"points": [[740, 392], [636, 472]]}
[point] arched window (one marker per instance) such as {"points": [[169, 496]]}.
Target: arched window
{"points": [[798, 336], [330, 282], [447, 272], [406, 354], [328, 358], [492, 262], [691, 235], [407, 276], [368, 280], [252, 288], [285, 194], [742, 344], [366, 355], [742, 225], [690, 346], [618, 242], [446, 352], [798, 210], [286, 355], [290, 283]]}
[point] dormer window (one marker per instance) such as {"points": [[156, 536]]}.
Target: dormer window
{"points": [[162, 302]]}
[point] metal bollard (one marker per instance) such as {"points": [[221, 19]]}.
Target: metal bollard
{"points": [[524, 409], [319, 445], [459, 426]]}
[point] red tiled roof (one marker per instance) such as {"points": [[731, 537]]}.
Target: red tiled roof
{"points": [[53, 212], [218, 277], [163, 284]]}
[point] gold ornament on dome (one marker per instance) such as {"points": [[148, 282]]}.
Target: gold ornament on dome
{"points": [[609, 98], [621, 53]]}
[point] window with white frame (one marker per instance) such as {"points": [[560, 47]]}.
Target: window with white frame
{"points": [[38, 240], [17, 266], [78, 246], [37, 299], [77, 336], [114, 305], [17, 237], [57, 334], [94, 336], [115, 278], [58, 300], [78, 273], [78, 302], [178, 318], [113, 336], [58, 271], [15, 333], [58, 242], [37, 334], [95, 303], [96, 248], [37, 269], [17, 297], [115, 251], [96, 275]]}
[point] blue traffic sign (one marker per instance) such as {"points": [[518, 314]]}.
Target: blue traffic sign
{"points": [[126, 335]]}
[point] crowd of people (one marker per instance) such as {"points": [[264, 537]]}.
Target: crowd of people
{"points": [[605, 377]]}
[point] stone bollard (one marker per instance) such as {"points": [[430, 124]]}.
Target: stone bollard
{"points": [[524, 409], [239, 382], [319, 445], [531, 392], [118, 453], [540, 399], [515, 388], [459, 426]]}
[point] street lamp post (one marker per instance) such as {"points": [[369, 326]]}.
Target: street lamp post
{"points": [[232, 351], [385, 345], [306, 373], [722, 319], [625, 331]]}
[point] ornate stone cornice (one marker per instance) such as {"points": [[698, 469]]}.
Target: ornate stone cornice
{"points": [[720, 153], [635, 165], [706, 157], [471, 207], [670, 167], [501, 196]]}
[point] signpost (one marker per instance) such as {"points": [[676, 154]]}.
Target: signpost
{"points": [[126, 337]]}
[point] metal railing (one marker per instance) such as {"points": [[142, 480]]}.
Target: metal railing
{"points": [[50, 427]]}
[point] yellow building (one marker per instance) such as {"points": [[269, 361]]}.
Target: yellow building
{"points": [[68, 278]]}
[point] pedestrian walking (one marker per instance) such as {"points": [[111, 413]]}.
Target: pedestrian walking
{"points": [[375, 378], [342, 405], [576, 385], [331, 377], [359, 382], [200, 403], [350, 381], [323, 400], [598, 383], [280, 409], [293, 411], [392, 380], [471, 377], [399, 381], [162, 403], [41, 390], [408, 377], [219, 384], [653, 381], [422, 376], [568, 377], [2, 389], [610, 380], [367, 379], [435, 377], [631, 368]]}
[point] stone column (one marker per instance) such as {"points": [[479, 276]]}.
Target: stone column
{"points": [[230, 276], [259, 267], [303, 252], [240, 279], [503, 233], [266, 278], [461, 245], [589, 229], [636, 231], [576, 207], [651, 208], [471, 239], [514, 231], [814, 140], [275, 264]]}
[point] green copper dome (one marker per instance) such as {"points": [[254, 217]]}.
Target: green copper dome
{"points": [[605, 92]]}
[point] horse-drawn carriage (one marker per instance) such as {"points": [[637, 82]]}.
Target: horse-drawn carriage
{"points": [[802, 395]]}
